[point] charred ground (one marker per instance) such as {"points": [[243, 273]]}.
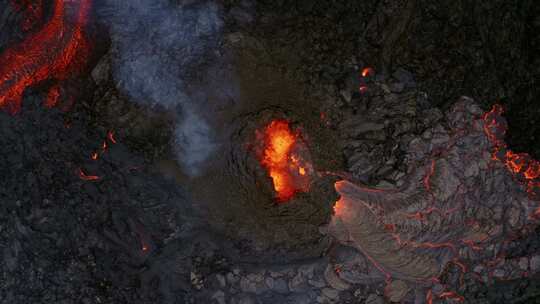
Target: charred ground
{"points": [[67, 241]]}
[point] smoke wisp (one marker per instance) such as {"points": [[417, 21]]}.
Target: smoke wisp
{"points": [[154, 46]]}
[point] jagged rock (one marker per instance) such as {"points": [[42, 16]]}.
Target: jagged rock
{"points": [[300, 298], [397, 290], [232, 278], [471, 170], [277, 274], [361, 127], [269, 281], [535, 263], [346, 95], [330, 293], [397, 87], [221, 280], [412, 232], [281, 286], [524, 263], [62, 244], [243, 298], [374, 299], [307, 271], [102, 71], [319, 283], [443, 182], [298, 282], [219, 297], [253, 283], [403, 76], [499, 273]]}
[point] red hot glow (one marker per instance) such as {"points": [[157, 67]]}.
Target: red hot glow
{"points": [[54, 52], [521, 165], [281, 158]]}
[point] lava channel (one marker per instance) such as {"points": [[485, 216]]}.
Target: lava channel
{"points": [[54, 52], [281, 155]]}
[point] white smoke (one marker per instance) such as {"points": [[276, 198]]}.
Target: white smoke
{"points": [[192, 142], [154, 44]]}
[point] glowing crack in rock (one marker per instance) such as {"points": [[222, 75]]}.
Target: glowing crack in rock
{"points": [[95, 156], [281, 156], [54, 52], [522, 165], [457, 203]]}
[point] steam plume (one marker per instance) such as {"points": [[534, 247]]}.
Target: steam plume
{"points": [[155, 44]]}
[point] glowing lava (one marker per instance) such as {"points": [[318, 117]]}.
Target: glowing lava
{"points": [[54, 52], [521, 165], [87, 177], [339, 207], [281, 157], [368, 219], [367, 72]]}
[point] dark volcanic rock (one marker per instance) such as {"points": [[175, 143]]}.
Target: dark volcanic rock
{"points": [[64, 235], [135, 236]]}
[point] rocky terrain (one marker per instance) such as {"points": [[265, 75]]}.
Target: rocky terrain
{"points": [[99, 205]]}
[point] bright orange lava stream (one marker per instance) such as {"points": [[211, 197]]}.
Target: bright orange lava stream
{"points": [[54, 52], [287, 169]]}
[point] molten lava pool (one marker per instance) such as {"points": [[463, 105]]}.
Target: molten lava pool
{"points": [[283, 156]]}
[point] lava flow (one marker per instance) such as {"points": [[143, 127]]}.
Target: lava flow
{"points": [[55, 52], [379, 224], [521, 165], [281, 157]]}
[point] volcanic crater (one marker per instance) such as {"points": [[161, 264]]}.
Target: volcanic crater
{"points": [[186, 152]]}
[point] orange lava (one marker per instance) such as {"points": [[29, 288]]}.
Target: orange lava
{"points": [[110, 135], [515, 161], [533, 171], [338, 207], [87, 177], [288, 170], [367, 72], [429, 297], [54, 52], [521, 165]]}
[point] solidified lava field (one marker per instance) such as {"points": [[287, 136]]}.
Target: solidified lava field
{"points": [[268, 152]]}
